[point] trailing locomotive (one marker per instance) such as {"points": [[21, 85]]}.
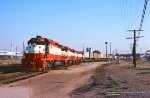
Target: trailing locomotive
{"points": [[42, 53]]}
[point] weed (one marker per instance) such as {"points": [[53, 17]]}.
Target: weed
{"points": [[99, 76], [83, 88], [148, 82], [143, 69], [113, 84], [144, 73], [5, 62], [127, 66]]}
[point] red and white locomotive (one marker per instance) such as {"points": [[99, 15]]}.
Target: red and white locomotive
{"points": [[42, 53]]}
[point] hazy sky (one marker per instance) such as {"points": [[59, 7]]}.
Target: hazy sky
{"points": [[74, 22]]}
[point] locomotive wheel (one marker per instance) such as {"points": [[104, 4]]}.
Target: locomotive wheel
{"points": [[70, 63], [49, 65], [63, 63], [39, 69]]}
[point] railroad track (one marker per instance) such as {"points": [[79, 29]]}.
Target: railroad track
{"points": [[7, 78], [19, 76]]}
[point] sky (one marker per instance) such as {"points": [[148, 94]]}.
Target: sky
{"points": [[74, 23]]}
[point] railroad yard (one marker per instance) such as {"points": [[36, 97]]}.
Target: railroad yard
{"points": [[74, 49], [120, 80], [55, 83]]}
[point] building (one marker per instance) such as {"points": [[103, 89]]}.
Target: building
{"points": [[8, 55]]}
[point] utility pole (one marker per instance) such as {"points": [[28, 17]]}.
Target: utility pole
{"points": [[116, 52], [83, 51], [106, 49], [110, 48], [16, 52], [11, 48], [23, 47], [134, 45], [134, 49]]}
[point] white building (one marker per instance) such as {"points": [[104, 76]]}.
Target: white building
{"points": [[7, 55]]}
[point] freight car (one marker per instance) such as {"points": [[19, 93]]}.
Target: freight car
{"points": [[42, 53]]}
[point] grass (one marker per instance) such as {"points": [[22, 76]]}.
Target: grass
{"points": [[128, 66], [5, 62], [143, 69], [140, 61], [113, 84], [98, 78], [84, 88], [113, 87], [146, 70], [148, 82], [144, 73]]}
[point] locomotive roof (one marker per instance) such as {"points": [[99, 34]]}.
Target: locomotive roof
{"points": [[39, 38]]}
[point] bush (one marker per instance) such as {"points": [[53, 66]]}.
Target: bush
{"points": [[99, 76]]}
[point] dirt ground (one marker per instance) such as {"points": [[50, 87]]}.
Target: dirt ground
{"points": [[121, 81], [54, 84]]}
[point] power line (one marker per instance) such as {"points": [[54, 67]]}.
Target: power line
{"points": [[123, 8], [130, 13], [143, 14], [135, 9]]}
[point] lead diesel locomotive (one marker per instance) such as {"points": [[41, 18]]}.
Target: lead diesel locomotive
{"points": [[42, 53]]}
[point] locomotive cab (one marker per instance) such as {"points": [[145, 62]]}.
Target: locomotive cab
{"points": [[34, 48], [34, 55]]}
